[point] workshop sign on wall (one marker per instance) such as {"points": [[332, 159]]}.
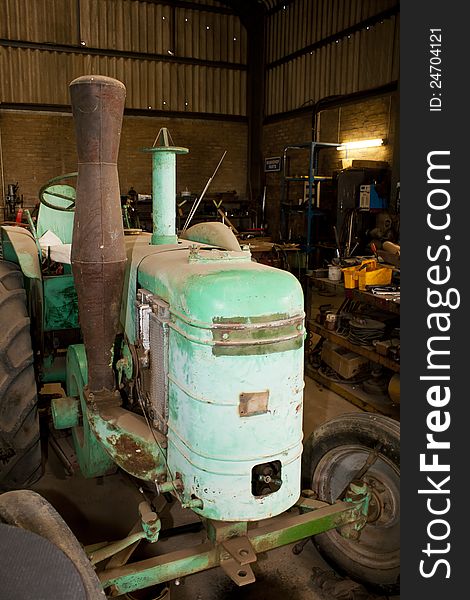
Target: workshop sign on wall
{"points": [[272, 164]]}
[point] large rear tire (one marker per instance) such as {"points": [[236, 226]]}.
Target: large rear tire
{"points": [[32, 512], [20, 445], [333, 455]]}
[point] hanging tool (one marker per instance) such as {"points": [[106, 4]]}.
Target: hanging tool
{"points": [[338, 247], [373, 247], [263, 210], [198, 201]]}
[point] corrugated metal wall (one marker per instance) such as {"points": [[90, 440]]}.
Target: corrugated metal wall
{"points": [[361, 60], [48, 21], [358, 61], [37, 75], [42, 77]]}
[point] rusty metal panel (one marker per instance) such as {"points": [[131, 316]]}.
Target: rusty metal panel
{"points": [[51, 21], [253, 403]]}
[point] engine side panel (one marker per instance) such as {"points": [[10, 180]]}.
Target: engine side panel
{"points": [[235, 380]]}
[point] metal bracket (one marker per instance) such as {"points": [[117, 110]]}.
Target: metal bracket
{"points": [[238, 566]]}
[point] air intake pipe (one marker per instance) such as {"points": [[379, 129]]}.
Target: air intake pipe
{"points": [[98, 252], [164, 189]]}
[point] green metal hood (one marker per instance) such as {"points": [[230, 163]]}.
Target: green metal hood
{"points": [[209, 286]]}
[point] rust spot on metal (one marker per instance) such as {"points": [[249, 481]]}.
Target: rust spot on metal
{"points": [[253, 403], [132, 456]]}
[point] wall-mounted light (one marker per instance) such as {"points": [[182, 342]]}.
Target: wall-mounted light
{"points": [[360, 144]]}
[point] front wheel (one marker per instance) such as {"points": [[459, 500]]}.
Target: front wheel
{"points": [[369, 445]]}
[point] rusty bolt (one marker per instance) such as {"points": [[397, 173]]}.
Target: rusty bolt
{"points": [[309, 494]]}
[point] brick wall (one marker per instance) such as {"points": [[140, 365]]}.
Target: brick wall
{"points": [[40, 145], [372, 118]]}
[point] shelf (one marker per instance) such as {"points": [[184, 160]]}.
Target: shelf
{"points": [[354, 394], [372, 355], [306, 178], [383, 302]]}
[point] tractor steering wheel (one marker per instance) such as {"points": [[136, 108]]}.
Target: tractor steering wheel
{"points": [[43, 192]]}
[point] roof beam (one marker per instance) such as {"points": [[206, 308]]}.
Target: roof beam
{"points": [[225, 10], [216, 64], [282, 5]]}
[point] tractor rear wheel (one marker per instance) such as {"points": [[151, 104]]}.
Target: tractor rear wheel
{"points": [[30, 511], [364, 446], [20, 445]]}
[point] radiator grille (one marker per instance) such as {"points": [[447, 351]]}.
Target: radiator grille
{"points": [[159, 363]]}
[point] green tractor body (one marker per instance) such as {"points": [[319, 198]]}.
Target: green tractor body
{"points": [[181, 359]]}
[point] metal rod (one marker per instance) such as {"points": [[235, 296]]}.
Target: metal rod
{"points": [[338, 246], [2, 169], [198, 201], [114, 547], [205, 556]]}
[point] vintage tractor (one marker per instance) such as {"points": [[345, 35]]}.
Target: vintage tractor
{"points": [[182, 361]]}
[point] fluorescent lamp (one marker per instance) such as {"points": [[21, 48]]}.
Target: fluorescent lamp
{"points": [[360, 144]]}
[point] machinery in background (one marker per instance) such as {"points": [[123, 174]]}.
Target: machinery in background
{"points": [[130, 212], [182, 360], [363, 214], [13, 201]]}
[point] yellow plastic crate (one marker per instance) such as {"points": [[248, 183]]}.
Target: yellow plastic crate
{"points": [[381, 276], [351, 274]]}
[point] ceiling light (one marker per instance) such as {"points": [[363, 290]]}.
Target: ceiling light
{"points": [[360, 144]]}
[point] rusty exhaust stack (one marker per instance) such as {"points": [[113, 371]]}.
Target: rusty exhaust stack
{"points": [[98, 252]]}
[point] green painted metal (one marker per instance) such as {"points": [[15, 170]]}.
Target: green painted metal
{"points": [[164, 193], [137, 248], [59, 222], [127, 439], [152, 530], [111, 436], [213, 233], [53, 369], [60, 303], [124, 365], [19, 246], [218, 531], [287, 530], [32, 228], [91, 456], [65, 412], [100, 552], [236, 329]]}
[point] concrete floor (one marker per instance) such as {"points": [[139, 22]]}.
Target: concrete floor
{"points": [[106, 509]]}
